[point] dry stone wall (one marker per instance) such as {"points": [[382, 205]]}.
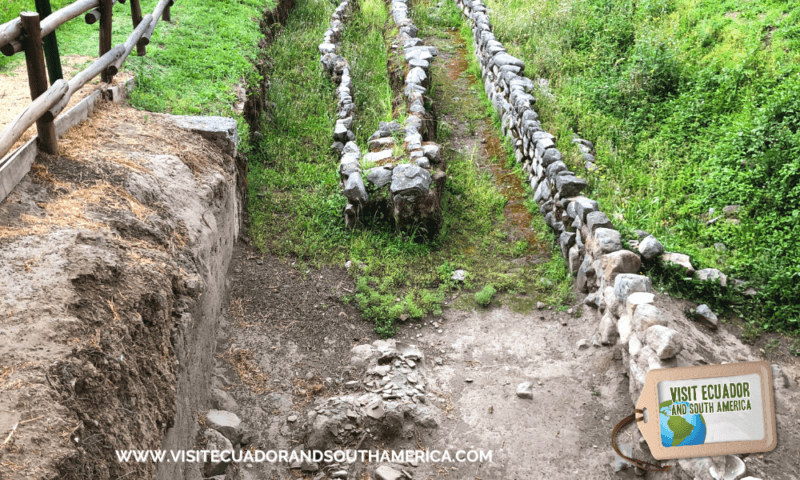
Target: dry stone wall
{"points": [[623, 300], [402, 175]]}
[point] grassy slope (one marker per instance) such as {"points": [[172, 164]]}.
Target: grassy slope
{"points": [[296, 208], [192, 63], [692, 105]]}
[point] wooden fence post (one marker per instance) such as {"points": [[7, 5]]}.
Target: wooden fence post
{"points": [[106, 9], [50, 44], [37, 78], [136, 14], [167, 15]]}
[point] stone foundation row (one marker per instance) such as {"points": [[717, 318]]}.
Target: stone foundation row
{"points": [[401, 178], [622, 299]]}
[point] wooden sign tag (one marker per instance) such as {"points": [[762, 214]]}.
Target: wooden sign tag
{"points": [[708, 411]]}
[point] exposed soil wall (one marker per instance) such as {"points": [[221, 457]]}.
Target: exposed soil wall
{"points": [[112, 258]]}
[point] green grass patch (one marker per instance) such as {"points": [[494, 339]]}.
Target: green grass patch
{"points": [[692, 106], [365, 50], [484, 297]]}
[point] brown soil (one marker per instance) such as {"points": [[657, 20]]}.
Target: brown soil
{"points": [[15, 93], [290, 326]]}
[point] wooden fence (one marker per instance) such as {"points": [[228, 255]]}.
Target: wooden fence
{"points": [[36, 37]]}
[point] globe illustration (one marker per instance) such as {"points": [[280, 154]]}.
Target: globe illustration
{"points": [[681, 430]]}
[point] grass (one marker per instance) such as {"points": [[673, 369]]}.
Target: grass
{"points": [[192, 63], [692, 106], [296, 208]]}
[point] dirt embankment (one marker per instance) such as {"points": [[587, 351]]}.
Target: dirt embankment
{"points": [[112, 268]]}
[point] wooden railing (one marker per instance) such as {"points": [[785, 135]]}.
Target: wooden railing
{"points": [[27, 33]]}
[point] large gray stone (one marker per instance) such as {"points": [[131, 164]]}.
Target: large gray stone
{"points": [[569, 185], [417, 54], [595, 220], [386, 129], [585, 278], [574, 259], [665, 341], [554, 168], [351, 148], [226, 423], [680, 260], [340, 132], [650, 248], [381, 143], [379, 176], [503, 58], [637, 299], [711, 275], [542, 192], [433, 151], [327, 48], [626, 283], [646, 316], [222, 131], [373, 157], [704, 315], [620, 261], [215, 441], [354, 188], [410, 180], [606, 240], [608, 329], [583, 207], [416, 75], [415, 62], [550, 155]]}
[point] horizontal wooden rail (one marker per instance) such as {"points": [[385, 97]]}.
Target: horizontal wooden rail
{"points": [[49, 24], [84, 77], [94, 15], [131, 42], [10, 31], [49, 104], [157, 12], [28, 117]]}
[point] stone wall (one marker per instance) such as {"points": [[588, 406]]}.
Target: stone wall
{"points": [[402, 175], [622, 300]]}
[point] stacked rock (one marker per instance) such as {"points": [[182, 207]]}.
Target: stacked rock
{"points": [[586, 149], [343, 137], [623, 299], [416, 187], [390, 399], [406, 191]]}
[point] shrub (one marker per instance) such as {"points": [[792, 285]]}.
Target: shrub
{"points": [[484, 297]]}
